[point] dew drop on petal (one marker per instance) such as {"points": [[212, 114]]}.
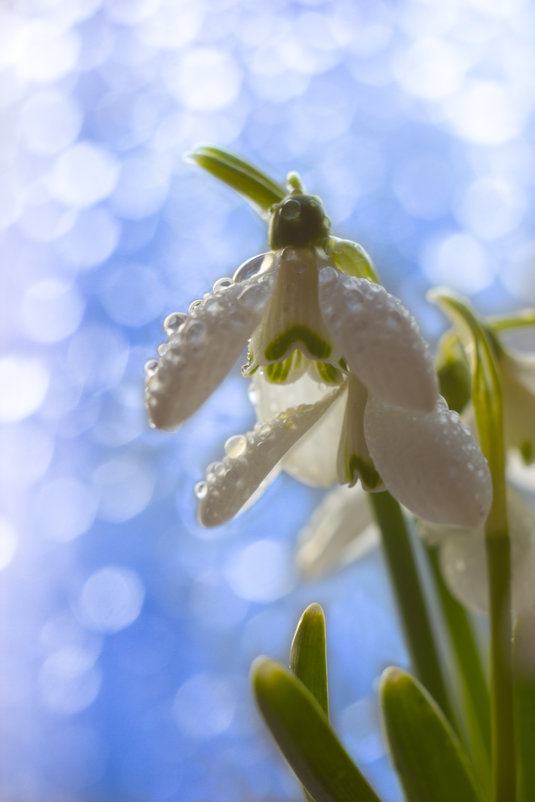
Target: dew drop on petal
{"points": [[173, 322], [249, 268], [151, 366], [222, 284], [236, 445], [201, 489], [194, 305]]}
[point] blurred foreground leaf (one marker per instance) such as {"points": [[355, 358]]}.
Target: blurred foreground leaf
{"points": [[258, 188], [429, 758], [524, 692], [308, 657], [305, 737]]}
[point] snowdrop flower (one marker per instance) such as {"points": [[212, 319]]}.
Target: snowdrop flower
{"points": [[463, 557], [336, 346], [340, 531], [518, 387]]}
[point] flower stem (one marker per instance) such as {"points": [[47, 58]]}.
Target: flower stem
{"points": [[501, 675], [407, 585], [472, 681]]}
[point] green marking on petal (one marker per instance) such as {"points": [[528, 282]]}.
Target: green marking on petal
{"points": [[311, 342], [359, 468], [328, 373], [279, 372]]}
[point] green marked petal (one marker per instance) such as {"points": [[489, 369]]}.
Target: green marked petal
{"points": [[293, 320], [298, 336]]}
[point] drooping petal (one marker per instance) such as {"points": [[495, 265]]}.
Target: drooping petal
{"points": [[379, 340], [230, 483], [430, 462], [339, 532], [354, 460], [204, 349], [464, 561], [313, 459], [293, 320]]}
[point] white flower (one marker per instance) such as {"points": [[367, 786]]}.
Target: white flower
{"points": [[347, 365], [340, 531], [463, 557], [517, 371]]}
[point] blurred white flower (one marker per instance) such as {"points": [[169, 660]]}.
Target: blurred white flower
{"points": [[463, 557]]}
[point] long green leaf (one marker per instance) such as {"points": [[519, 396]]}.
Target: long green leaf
{"points": [[524, 692], [258, 188], [488, 408], [308, 655], [305, 737], [430, 761]]}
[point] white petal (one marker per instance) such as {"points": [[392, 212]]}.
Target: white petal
{"points": [[204, 349], [230, 483], [518, 386], [430, 462], [313, 459], [379, 340], [464, 561], [339, 532]]}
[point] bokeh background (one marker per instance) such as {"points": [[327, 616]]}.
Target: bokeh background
{"points": [[127, 630]]}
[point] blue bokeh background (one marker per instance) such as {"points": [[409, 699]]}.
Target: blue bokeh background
{"points": [[127, 630]]}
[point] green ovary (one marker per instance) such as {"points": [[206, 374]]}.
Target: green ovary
{"points": [[359, 467], [299, 334]]}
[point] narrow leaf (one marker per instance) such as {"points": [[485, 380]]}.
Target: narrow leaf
{"points": [[486, 397], [305, 737], [430, 761], [308, 657], [258, 188], [524, 693]]}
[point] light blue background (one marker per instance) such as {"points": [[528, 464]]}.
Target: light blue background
{"points": [[127, 630]]}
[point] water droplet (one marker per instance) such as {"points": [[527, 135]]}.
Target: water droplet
{"points": [[222, 284], [211, 468], [236, 445], [151, 367], [162, 349], [253, 296], [194, 305], [250, 268], [201, 489], [173, 322], [196, 331]]}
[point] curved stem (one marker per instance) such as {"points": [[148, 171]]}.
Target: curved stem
{"points": [[410, 597]]}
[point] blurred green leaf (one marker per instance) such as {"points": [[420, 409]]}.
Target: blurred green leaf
{"points": [[305, 737], [486, 396], [429, 758], [524, 693], [308, 656], [254, 185]]}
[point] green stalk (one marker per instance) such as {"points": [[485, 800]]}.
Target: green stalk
{"points": [[473, 684], [410, 597], [488, 408]]}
